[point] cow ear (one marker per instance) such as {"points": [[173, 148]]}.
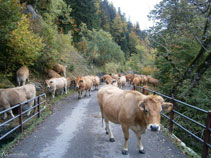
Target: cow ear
{"points": [[142, 106], [51, 81], [106, 82], [166, 106]]}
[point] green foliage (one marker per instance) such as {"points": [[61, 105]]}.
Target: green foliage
{"points": [[10, 14], [25, 44], [111, 68], [71, 67], [99, 48], [180, 36], [84, 11]]}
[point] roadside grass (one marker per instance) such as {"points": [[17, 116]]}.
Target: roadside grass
{"points": [[31, 125], [182, 146]]}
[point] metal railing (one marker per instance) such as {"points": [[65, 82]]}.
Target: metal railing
{"points": [[206, 127], [39, 100]]}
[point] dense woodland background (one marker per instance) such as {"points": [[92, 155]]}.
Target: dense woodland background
{"points": [[91, 36]]}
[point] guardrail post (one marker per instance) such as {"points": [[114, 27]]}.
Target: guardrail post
{"points": [[38, 107], [172, 116], [20, 118], [206, 135]]}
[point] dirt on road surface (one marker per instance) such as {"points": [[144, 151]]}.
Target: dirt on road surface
{"points": [[74, 130]]}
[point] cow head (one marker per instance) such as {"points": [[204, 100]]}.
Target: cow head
{"points": [[78, 82], [48, 83], [151, 106]]}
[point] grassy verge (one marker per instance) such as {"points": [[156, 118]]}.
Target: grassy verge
{"points": [[32, 124], [186, 150]]}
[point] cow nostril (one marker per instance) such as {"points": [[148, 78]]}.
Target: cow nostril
{"points": [[154, 128]]}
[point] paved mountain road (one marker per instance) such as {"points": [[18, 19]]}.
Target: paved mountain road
{"points": [[74, 130]]}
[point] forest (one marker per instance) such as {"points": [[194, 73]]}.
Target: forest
{"points": [[176, 50]]}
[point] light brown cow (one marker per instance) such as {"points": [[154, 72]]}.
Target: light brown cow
{"points": [[152, 81], [83, 84], [121, 81], [143, 79], [22, 75], [115, 76], [60, 69], [111, 81], [106, 77], [53, 74], [132, 110], [136, 82], [56, 83], [96, 81], [13, 96], [68, 82], [129, 78]]}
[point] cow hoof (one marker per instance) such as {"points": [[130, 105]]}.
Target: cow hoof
{"points": [[124, 152], [107, 133], [79, 97], [112, 140], [142, 151]]}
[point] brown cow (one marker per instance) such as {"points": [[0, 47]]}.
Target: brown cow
{"points": [[121, 81], [115, 76], [96, 81], [111, 81], [83, 83], [22, 75], [132, 110], [143, 79], [136, 82], [13, 96], [152, 81], [106, 77], [53, 74], [60, 69], [129, 78]]}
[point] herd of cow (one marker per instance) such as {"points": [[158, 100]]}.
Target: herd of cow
{"points": [[132, 109]]}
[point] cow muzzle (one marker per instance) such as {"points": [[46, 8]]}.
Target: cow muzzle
{"points": [[154, 127]]}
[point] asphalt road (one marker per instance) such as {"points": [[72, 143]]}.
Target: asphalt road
{"points": [[74, 130]]}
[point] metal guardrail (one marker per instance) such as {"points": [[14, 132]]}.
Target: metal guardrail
{"points": [[37, 103], [206, 127]]}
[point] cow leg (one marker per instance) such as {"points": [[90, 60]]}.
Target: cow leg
{"points": [[125, 130], [53, 93], [108, 129], [30, 106], [140, 145], [85, 93], [90, 92], [11, 113], [79, 94], [5, 116], [65, 89]]}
